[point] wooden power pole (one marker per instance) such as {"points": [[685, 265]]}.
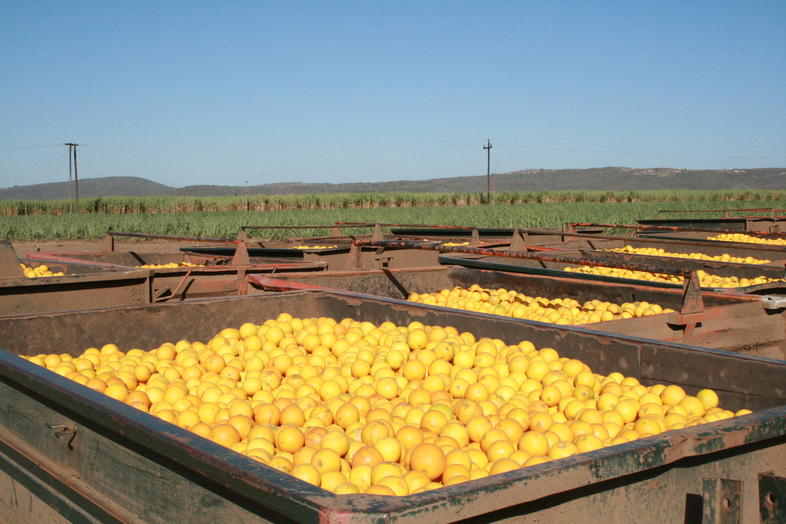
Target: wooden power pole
{"points": [[74, 192], [488, 147]]}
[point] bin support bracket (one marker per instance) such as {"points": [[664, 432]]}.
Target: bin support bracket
{"points": [[722, 501], [519, 241], [108, 243], [772, 498], [692, 310], [241, 257]]}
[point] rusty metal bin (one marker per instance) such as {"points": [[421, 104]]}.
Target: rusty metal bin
{"points": [[70, 453], [557, 269], [679, 246], [740, 323]]}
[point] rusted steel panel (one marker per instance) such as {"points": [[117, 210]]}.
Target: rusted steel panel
{"points": [[85, 291], [105, 479], [722, 501], [772, 498], [9, 264], [116, 443]]}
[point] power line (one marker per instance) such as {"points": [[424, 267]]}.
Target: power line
{"points": [[579, 148], [10, 148]]}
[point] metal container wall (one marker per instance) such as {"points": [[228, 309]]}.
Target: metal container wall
{"points": [[70, 453]]}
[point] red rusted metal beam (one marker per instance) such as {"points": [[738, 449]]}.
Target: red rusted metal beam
{"points": [[277, 284]]}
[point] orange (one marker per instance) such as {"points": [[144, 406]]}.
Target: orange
{"points": [[241, 423], [451, 470], [433, 420], [290, 438], [267, 414], [672, 394], [708, 398], [587, 442], [409, 436], [467, 409], [396, 483], [477, 427], [429, 459], [376, 430], [389, 448], [346, 489], [385, 469], [502, 465], [456, 431], [693, 406], [307, 473], [499, 449], [477, 392], [511, 428], [367, 455], [337, 441], [562, 450], [325, 460], [314, 436], [225, 434], [347, 414], [540, 421], [534, 443], [628, 409], [414, 370], [379, 490], [416, 480], [292, 415], [303, 456]]}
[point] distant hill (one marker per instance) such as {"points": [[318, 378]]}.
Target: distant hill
{"points": [[597, 179]]}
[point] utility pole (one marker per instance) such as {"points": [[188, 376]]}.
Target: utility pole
{"points": [[488, 147], [74, 192]]}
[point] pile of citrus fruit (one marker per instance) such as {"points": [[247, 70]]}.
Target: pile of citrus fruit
{"points": [[658, 252], [170, 265], [355, 407], [39, 271], [518, 305], [739, 237], [706, 279]]}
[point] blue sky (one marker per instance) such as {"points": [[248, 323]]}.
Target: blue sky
{"points": [[224, 92]]}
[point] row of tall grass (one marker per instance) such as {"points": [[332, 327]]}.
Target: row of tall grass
{"points": [[224, 224], [165, 204]]}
